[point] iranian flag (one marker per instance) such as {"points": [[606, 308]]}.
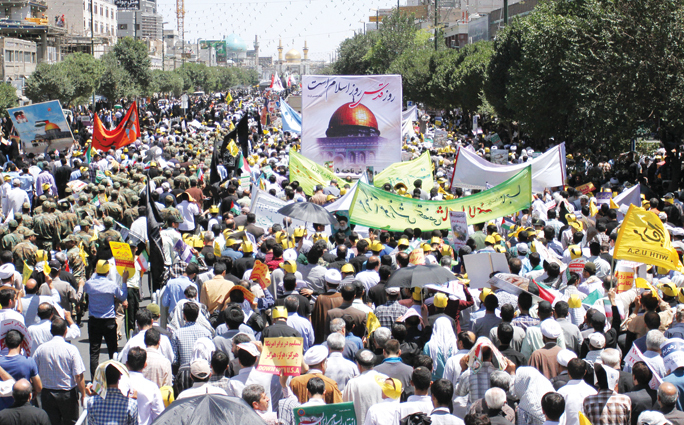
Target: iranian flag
{"points": [[143, 262], [244, 165]]}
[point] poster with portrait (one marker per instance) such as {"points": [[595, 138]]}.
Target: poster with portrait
{"points": [[353, 121], [41, 127]]}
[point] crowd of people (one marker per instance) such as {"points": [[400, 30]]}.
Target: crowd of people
{"points": [[460, 351]]}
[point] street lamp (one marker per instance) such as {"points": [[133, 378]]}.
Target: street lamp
{"points": [[163, 44], [377, 18], [364, 25]]}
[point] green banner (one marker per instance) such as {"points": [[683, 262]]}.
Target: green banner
{"points": [[338, 414], [308, 173], [373, 207], [407, 172]]}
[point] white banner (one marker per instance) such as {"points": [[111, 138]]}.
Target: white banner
{"points": [[472, 171], [266, 206], [353, 121], [631, 196]]}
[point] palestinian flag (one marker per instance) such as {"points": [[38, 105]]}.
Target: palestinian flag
{"points": [[542, 291], [244, 165], [89, 155], [234, 208]]}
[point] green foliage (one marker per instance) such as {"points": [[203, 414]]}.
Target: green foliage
{"points": [[50, 82], [134, 58], [114, 82], [353, 53], [8, 97], [167, 82], [83, 71]]}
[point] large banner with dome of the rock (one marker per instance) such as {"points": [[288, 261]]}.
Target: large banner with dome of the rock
{"points": [[352, 122]]}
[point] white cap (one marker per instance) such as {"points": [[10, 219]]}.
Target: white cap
{"points": [[6, 271], [290, 255], [564, 356], [550, 329], [333, 276], [597, 340], [250, 348], [315, 355]]}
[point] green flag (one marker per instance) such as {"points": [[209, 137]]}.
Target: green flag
{"points": [[89, 155], [373, 207], [308, 173], [407, 172], [592, 298]]}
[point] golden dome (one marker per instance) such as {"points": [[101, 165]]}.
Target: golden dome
{"points": [[350, 121], [293, 56]]}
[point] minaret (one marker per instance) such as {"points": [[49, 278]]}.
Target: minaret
{"points": [[256, 52], [306, 52], [280, 51]]}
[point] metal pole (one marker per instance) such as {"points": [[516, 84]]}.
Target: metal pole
{"points": [[436, 15], [135, 25], [92, 44], [163, 42], [377, 19], [505, 12]]}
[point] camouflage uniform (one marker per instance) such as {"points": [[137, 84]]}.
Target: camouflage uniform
{"points": [[47, 229], [24, 251], [112, 210], [10, 240], [109, 234], [76, 264], [130, 215]]}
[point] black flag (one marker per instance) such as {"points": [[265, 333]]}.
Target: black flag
{"points": [[156, 251]]}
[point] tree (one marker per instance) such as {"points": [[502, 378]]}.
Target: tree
{"points": [[167, 82], [353, 56], [8, 97], [50, 82], [134, 57], [84, 71], [114, 82]]}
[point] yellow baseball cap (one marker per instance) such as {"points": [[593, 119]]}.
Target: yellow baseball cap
{"points": [[426, 247], [377, 246], [347, 268], [247, 247], [575, 225], [231, 242], [391, 387], [214, 209], [289, 266], [441, 300], [435, 239], [417, 294], [279, 312], [300, 232], [490, 239], [484, 293], [102, 267], [403, 242]]}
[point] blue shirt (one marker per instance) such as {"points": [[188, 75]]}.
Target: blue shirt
{"points": [[304, 327], [677, 379], [230, 252], [101, 295], [355, 339], [174, 292], [19, 367]]}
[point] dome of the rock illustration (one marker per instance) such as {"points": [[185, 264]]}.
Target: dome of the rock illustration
{"points": [[357, 121]]}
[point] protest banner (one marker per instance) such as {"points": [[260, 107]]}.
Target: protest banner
{"points": [[625, 272], [672, 353], [326, 414], [644, 239], [499, 156], [473, 172], [511, 283], [308, 173], [459, 228], [407, 173], [11, 324], [124, 134], [586, 188], [635, 355], [265, 207], [481, 266], [284, 353], [376, 208], [123, 257], [603, 197], [41, 127], [577, 265], [354, 121], [260, 274]]}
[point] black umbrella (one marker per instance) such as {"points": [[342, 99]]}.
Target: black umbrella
{"points": [[309, 212], [419, 276], [209, 409]]}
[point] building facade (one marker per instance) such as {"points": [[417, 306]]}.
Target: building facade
{"points": [[145, 23]]}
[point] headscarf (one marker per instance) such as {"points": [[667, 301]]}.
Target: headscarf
{"points": [[529, 387], [442, 340]]}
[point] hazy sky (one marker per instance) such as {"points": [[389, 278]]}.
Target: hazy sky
{"points": [[323, 23]]}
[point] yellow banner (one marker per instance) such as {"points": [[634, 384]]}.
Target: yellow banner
{"points": [[123, 256], [261, 274], [284, 353], [408, 172], [643, 238], [308, 173]]}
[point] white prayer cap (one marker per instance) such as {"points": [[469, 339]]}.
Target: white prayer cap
{"points": [[249, 347], [315, 355], [652, 417], [550, 329], [290, 255], [333, 277], [6, 271], [564, 356], [597, 340]]}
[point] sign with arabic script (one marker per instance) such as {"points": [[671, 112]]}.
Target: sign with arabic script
{"points": [[284, 353], [353, 121], [373, 207], [325, 414], [127, 4]]}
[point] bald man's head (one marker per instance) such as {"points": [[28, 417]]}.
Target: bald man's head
{"points": [[31, 286], [667, 394], [21, 391]]}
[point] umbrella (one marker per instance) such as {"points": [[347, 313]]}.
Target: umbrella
{"points": [[208, 410], [306, 211], [419, 276]]}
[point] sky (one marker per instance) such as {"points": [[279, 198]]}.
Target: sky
{"points": [[324, 24]]}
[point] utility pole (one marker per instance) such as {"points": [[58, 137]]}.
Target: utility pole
{"points": [[163, 44], [436, 16], [92, 44], [135, 25], [505, 12]]}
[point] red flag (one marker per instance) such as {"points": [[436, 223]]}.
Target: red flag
{"points": [[124, 134], [544, 293]]}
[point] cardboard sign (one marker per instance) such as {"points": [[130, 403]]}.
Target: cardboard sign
{"points": [[417, 257], [625, 272], [499, 156], [459, 227], [326, 414], [603, 197], [480, 266], [673, 354], [123, 257], [577, 265], [586, 188], [11, 324], [284, 354], [260, 274]]}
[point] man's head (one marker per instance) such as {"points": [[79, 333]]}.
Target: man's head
{"points": [[495, 398], [544, 310], [421, 378], [553, 405], [641, 374], [58, 327], [336, 342], [466, 340], [577, 368], [364, 359], [315, 387], [654, 339], [200, 371], [505, 332], [391, 348], [190, 312], [137, 359], [255, 395], [143, 318], [442, 393], [152, 338], [22, 392], [500, 379], [112, 375], [667, 395], [13, 339]]}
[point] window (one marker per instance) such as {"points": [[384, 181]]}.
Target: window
{"points": [[27, 57], [8, 55], [101, 28], [106, 12], [85, 7], [101, 11], [18, 56], [33, 57], [123, 26]]}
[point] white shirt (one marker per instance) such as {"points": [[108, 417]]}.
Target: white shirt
{"points": [[382, 413], [340, 370], [150, 402], [574, 393], [414, 404], [370, 278], [15, 199], [188, 210], [602, 266], [40, 333], [590, 285], [138, 340], [202, 390], [364, 392], [248, 376], [30, 303], [452, 371], [442, 416]]}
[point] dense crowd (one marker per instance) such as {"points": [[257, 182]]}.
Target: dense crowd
{"points": [[457, 352]]}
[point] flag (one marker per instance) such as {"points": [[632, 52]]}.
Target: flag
{"points": [[292, 120], [244, 165], [26, 273], [591, 299], [214, 176], [407, 172], [229, 98], [233, 148], [124, 134], [545, 292], [593, 210], [241, 134], [89, 155], [155, 249], [143, 262], [643, 238], [276, 84], [372, 323], [308, 173], [583, 419]]}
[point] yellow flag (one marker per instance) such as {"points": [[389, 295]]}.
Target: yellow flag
{"points": [[26, 273], [613, 205], [231, 126], [94, 237], [229, 98], [643, 238], [233, 148], [217, 249], [407, 172], [643, 284], [583, 419], [81, 252], [46, 269], [372, 323], [592, 208]]}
